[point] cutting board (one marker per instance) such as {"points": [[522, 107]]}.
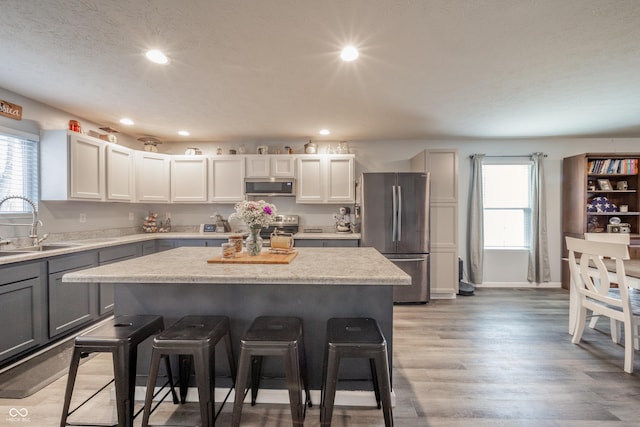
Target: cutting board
{"points": [[265, 257]]}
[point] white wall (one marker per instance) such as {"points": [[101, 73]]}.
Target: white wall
{"points": [[371, 156]]}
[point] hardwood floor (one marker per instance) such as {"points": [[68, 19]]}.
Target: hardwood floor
{"points": [[502, 357]]}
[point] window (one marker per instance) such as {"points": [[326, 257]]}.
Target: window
{"points": [[18, 171], [507, 205]]}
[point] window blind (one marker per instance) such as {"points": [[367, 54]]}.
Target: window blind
{"points": [[18, 172]]}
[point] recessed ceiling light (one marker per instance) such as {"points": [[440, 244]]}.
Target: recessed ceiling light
{"points": [[154, 55], [183, 133], [126, 121], [349, 53], [324, 132]]}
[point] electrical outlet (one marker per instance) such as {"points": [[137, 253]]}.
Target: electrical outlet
{"points": [[83, 217], [131, 217]]}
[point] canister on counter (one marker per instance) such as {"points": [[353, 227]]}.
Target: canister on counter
{"points": [[228, 250], [236, 240]]}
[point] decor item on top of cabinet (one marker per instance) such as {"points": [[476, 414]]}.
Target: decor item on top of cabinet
{"points": [[601, 204], [311, 148], [263, 149], [341, 148], [150, 224], [74, 126], [257, 215], [110, 136], [150, 143], [193, 151]]}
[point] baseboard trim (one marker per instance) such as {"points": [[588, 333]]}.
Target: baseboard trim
{"points": [[547, 285]]}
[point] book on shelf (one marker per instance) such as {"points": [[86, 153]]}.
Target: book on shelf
{"points": [[613, 166]]}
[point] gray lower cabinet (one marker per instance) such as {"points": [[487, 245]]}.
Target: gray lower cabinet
{"points": [[149, 248], [167, 244], [326, 243], [108, 256], [22, 300], [71, 304]]}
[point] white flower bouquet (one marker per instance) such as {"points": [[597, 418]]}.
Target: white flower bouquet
{"points": [[255, 213]]}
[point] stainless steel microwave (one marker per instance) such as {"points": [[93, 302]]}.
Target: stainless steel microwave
{"points": [[269, 187]]}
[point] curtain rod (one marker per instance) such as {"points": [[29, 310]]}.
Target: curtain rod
{"points": [[507, 155]]}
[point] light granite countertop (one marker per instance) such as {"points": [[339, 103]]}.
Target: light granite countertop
{"points": [[312, 266], [73, 246]]}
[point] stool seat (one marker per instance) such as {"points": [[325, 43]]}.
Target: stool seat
{"points": [[273, 336], [193, 330], [355, 337], [119, 336], [122, 330], [193, 339]]}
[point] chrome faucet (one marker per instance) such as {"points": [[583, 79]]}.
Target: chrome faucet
{"points": [[33, 233]]}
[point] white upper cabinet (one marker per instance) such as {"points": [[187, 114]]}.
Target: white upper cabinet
{"points": [[226, 179], [72, 166], [188, 179], [282, 166], [325, 179], [153, 177], [265, 166], [120, 173], [310, 180], [340, 179]]}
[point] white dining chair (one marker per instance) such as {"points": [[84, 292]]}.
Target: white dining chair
{"points": [[611, 238], [593, 285]]}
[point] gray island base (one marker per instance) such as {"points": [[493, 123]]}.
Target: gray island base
{"points": [[318, 284]]}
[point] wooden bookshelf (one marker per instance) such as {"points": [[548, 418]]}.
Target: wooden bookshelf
{"points": [[588, 176]]}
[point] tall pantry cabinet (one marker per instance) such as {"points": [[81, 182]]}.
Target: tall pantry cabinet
{"points": [[600, 195], [443, 166]]}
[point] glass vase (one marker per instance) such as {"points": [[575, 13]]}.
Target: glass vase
{"points": [[254, 242]]}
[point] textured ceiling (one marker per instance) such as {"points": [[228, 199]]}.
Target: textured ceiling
{"points": [[269, 69]]}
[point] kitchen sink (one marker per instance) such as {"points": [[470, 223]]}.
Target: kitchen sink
{"points": [[40, 248]]}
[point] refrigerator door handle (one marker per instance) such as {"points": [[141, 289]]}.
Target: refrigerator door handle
{"points": [[399, 212], [394, 228]]}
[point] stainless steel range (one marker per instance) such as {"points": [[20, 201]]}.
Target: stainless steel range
{"points": [[284, 222]]}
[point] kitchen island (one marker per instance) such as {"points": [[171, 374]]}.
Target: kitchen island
{"points": [[318, 284]]}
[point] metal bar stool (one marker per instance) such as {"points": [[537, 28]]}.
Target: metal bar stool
{"points": [[355, 337], [192, 338], [273, 336], [120, 336]]}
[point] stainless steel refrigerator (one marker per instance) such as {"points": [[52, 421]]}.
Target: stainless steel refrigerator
{"points": [[395, 221]]}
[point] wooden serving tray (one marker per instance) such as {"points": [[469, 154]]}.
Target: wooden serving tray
{"points": [[265, 257]]}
